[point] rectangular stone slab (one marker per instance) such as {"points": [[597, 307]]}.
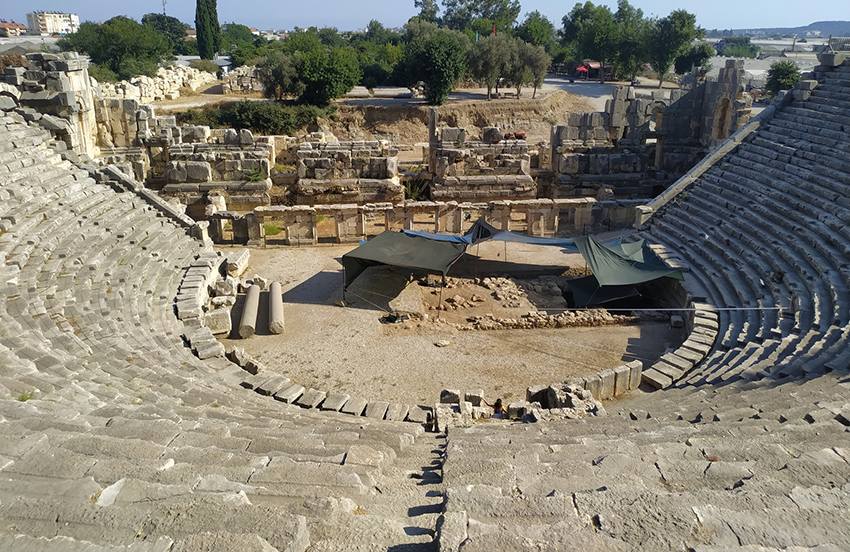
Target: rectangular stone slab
{"points": [[289, 394], [607, 389], [272, 385], [668, 370], [621, 380], [311, 398], [354, 407], [335, 402], [677, 361], [397, 412], [636, 369], [419, 414], [377, 409], [656, 379]]}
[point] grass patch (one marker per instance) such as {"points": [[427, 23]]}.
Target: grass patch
{"points": [[272, 229], [26, 395]]}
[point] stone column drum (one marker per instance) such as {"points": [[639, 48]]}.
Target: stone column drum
{"points": [[248, 324], [275, 308]]}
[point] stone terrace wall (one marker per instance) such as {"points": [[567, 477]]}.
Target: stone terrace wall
{"points": [[493, 168], [165, 86], [541, 217], [362, 171]]}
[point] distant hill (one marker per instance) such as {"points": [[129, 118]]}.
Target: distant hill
{"points": [[826, 28]]}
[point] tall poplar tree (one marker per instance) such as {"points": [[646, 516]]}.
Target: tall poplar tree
{"points": [[207, 28]]}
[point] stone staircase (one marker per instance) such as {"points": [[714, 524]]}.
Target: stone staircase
{"points": [[115, 436], [748, 450]]}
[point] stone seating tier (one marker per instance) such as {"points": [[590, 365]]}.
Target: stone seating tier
{"points": [[101, 397], [116, 436], [764, 229]]}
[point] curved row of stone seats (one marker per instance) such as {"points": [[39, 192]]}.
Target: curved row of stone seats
{"points": [[739, 466], [116, 436], [765, 232]]}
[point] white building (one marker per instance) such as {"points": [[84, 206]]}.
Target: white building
{"points": [[49, 23]]}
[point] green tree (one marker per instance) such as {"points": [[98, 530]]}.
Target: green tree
{"points": [[668, 38], [328, 74], [537, 60], [439, 61], [278, 72], [782, 75], [460, 14], [536, 29], [171, 27], [491, 59], [696, 55], [593, 33], [632, 30], [207, 29], [417, 29], [120, 45], [303, 41], [329, 36], [427, 9]]}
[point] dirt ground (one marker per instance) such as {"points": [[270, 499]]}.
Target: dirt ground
{"points": [[347, 349]]}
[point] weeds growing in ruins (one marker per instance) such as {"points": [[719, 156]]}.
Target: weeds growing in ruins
{"points": [[272, 229], [26, 395]]}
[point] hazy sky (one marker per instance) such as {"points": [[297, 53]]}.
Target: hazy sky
{"points": [[354, 14]]}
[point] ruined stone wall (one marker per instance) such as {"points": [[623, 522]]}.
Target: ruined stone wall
{"points": [[57, 90], [165, 85], [539, 217], [361, 171], [242, 80], [492, 168]]}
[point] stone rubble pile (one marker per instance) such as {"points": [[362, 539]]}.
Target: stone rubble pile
{"points": [[542, 320], [555, 402], [165, 86]]}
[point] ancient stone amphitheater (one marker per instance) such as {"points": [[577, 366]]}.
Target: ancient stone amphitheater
{"points": [[115, 436]]}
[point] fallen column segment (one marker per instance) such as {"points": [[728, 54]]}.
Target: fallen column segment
{"points": [[275, 309], [248, 324]]}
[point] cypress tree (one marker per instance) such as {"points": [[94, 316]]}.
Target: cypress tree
{"points": [[207, 29]]}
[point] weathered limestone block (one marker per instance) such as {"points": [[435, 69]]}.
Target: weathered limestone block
{"points": [[218, 321], [491, 135], [449, 396], [237, 262], [607, 390], [198, 171]]}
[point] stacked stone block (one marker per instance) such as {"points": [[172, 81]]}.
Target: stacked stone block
{"points": [[165, 85], [58, 87], [493, 168], [362, 171]]}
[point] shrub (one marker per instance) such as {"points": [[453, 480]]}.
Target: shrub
{"points": [[272, 229], [204, 65], [260, 117], [102, 73], [782, 75]]}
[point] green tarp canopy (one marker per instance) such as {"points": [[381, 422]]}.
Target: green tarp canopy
{"points": [[587, 292], [398, 249], [624, 264]]}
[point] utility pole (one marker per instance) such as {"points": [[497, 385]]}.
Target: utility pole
{"points": [[163, 6]]}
